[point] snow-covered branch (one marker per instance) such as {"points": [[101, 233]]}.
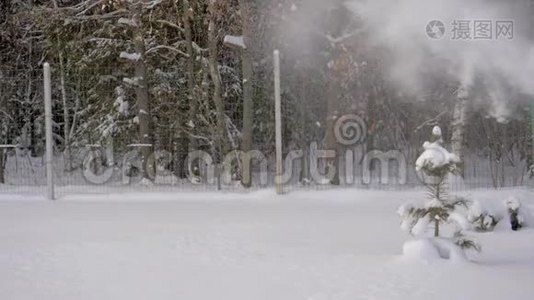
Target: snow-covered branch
{"points": [[126, 21], [113, 14], [169, 24], [89, 7], [343, 37], [152, 4], [235, 41], [132, 81], [130, 56], [156, 48]]}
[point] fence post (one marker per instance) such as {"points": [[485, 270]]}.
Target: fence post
{"points": [[48, 132], [278, 123], [531, 167]]}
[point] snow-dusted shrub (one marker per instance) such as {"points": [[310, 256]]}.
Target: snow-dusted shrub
{"points": [[481, 218], [517, 215]]}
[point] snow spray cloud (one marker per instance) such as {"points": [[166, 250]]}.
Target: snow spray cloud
{"points": [[418, 47], [300, 29]]}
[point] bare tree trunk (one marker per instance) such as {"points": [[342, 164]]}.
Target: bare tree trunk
{"points": [[141, 91], [5, 7], [66, 126], [332, 111], [2, 166], [193, 105], [304, 138], [331, 119], [458, 123], [4, 95], [337, 72], [248, 104], [216, 78]]}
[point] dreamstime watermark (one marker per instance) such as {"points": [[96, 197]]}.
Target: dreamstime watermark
{"points": [[466, 30], [350, 132]]}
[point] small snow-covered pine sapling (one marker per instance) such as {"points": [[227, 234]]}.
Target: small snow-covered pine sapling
{"points": [[516, 219], [435, 165]]}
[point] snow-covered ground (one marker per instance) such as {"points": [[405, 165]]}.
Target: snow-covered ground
{"points": [[343, 244]]}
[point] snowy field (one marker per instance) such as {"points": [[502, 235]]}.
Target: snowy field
{"points": [[343, 244]]}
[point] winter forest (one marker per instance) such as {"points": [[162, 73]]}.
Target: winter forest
{"points": [[131, 78], [266, 149]]}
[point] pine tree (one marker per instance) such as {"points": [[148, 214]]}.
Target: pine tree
{"points": [[435, 165]]}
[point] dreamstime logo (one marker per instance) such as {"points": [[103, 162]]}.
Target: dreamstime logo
{"points": [[200, 167], [350, 130]]}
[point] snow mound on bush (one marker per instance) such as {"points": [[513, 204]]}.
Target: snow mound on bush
{"points": [[420, 249], [433, 249], [449, 250], [435, 156]]}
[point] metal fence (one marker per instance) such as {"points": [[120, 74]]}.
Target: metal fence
{"points": [[96, 146]]}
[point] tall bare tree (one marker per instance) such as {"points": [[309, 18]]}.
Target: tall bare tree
{"points": [[213, 40], [248, 104], [458, 122], [141, 88], [186, 18]]}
